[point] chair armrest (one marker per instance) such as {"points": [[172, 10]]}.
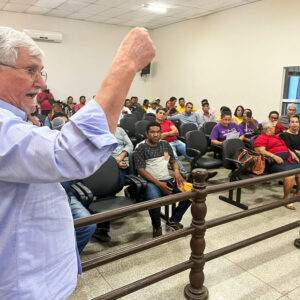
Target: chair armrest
{"points": [[181, 138], [235, 161], [139, 137], [79, 194], [193, 152], [137, 187], [88, 193]]}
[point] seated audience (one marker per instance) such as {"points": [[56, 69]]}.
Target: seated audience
{"points": [[81, 103], [45, 100], [223, 108], [212, 110], [170, 111], [271, 145], [134, 103], [249, 127], [151, 160], [205, 114], [292, 137], [152, 108], [158, 103], [181, 107], [290, 111], [225, 129], [273, 117], [127, 108], [188, 116], [169, 133], [173, 101], [145, 105], [238, 115], [70, 108], [56, 108]]}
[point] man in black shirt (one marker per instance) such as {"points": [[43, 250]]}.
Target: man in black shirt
{"points": [[151, 160]]}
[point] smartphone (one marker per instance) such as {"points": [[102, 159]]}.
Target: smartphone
{"points": [[169, 184], [249, 114]]}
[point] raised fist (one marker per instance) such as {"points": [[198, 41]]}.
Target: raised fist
{"points": [[137, 48]]}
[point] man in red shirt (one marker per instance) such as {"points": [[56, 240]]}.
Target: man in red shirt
{"points": [[44, 99], [81, 104], [169, 133]]}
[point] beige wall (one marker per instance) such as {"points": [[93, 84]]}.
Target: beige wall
{"points": [[233, 57], [78, 65]]}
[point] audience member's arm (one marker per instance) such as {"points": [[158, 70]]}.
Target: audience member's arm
{"points": [[173, 132], [177, 176], [264, 152], [216, 142], [161, 185], [199, 122], [241, 137], [135, 52], [174, 117]]}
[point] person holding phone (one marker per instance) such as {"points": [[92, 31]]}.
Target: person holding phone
{"points": [[249, 126], [45, 100]]}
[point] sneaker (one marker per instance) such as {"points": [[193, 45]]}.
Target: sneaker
{"points": [[157, 232], [174, 225], [102, 235]]}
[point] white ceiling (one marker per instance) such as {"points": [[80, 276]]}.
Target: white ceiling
{"points": [[122, 12]]}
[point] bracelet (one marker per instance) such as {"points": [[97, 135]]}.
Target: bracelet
{"points": [[272, 155]]}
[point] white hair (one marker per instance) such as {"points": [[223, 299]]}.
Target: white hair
{"points": [[266, 124], [10, 42], [292, 105]]}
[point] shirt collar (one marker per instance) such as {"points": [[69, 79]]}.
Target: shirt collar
{"points": [[18, 112]]}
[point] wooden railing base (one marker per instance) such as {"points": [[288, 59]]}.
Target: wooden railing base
{"points": [[194, 294]]}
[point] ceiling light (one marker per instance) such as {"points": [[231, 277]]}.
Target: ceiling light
{"points": [[156, 8]]}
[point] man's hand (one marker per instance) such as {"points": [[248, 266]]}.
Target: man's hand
{"points": [[164, 188], [138, 48], [122, 164], [164, 135], [178, 178]]}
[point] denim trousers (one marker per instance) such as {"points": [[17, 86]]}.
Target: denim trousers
{"points": [[180, 147], [83, 234], [153, 192]]}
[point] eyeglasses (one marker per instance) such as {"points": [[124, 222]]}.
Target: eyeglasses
{"points": [[32, 72]]}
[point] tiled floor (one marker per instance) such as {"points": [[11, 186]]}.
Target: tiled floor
{"points": [[267, 270]]}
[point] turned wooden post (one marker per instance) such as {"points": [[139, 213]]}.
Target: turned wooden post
{"points": [[195, 290]]}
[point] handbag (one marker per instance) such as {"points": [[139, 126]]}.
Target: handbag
{"points": [[252, 161]]}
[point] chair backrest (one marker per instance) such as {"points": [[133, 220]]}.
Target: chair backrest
{"points": [[128, 125], [140, 127], [139, 114], [196, 139], [149, 118], [177, 123], [229, 149], [186, 127], [208, 127], [252, 140], [105, 181], [133, 116]]}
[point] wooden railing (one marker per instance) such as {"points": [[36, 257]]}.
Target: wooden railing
{"points": [[195, 289]]}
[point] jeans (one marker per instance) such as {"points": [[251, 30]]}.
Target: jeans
{"points": [[123, 173], [153, 192], [83, 234], [180, 147]]}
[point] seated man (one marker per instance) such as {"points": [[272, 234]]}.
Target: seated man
{"points": [[56, 108], [188, 116], [170, 111], [205, 114], [290, 112], [169, 133], [181, 107], [152, 108], [151, 160]]}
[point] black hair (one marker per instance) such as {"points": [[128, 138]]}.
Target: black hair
{"points": [[173, 99], [82, 97], [145, 101], [188, 104], [181, 98], [160, 108], [59, 115], [273, 112], [225, 113], [152, 124], [235, 112], [248, 109], [294, 116], [204, 101], [225, 108], [133, 97]]}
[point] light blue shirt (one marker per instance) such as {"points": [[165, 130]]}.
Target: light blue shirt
{"points": [[37, 244], [184, 118]]}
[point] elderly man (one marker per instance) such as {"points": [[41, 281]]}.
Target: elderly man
{"points": [[38, 254], [290, 112]]}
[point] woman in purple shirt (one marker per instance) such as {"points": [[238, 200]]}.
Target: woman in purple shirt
{"points": [[225, 129], [249, 126]]}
